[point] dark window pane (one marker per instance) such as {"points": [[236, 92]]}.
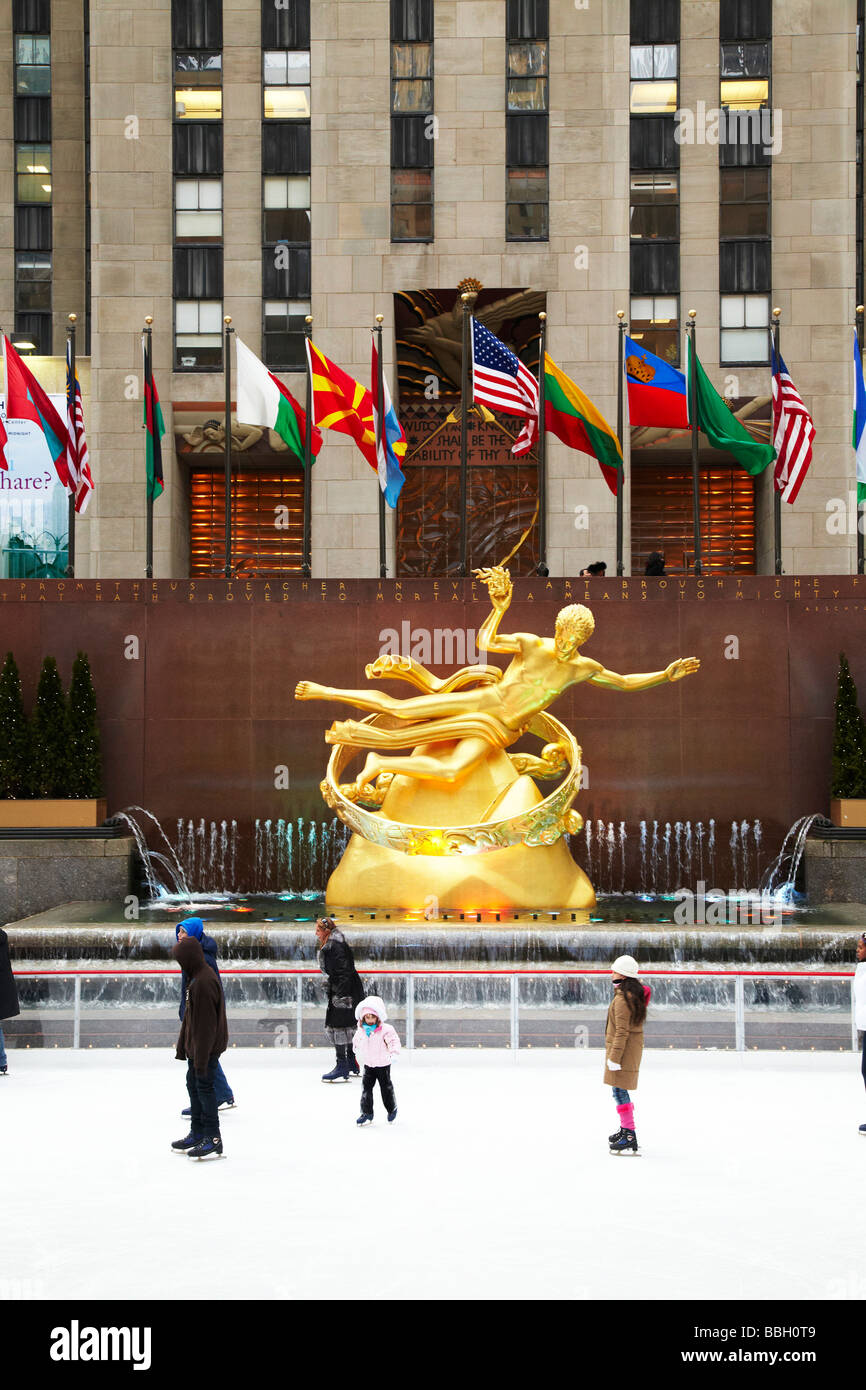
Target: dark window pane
{"points": [[411, 222], [526, 221], [745, 146], [745, 19], [285, 352], [411, 143], [286, 224], [286, 148], [33, 228], [197, 24], [32, 80], [745, 60], [652, 143], [285, 272], [744, 220], [650, 223], [527, 186], [655, 21], [525, 141], [35, 328], [526, 19], [412, 21], [198, 272], [287, 27], [655, 267], [32, 118], [198, 148], [192, 355], [744, 267], [31, 16]]}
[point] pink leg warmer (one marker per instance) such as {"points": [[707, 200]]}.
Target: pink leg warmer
{"points": [[626, 1115]]}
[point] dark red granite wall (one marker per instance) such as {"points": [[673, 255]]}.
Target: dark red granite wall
{"points": [[195, 724]]}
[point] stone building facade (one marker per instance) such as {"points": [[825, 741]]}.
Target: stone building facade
{"points": [[583, 267]]}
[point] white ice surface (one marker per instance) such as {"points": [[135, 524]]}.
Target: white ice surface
{"points": [[495, 1181]]}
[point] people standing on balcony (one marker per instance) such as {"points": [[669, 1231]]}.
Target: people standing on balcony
{"points": [[194, 927], [623, 1045], [345, 990], [376, 1044], [203, 1037], [655, 565], [860, 1005], [8, 996]]}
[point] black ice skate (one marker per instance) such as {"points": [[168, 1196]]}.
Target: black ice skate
{"points": [[207, 1148], [182, 1146], [392, 1115], [343, 1069], [230, 1104], [626, 1144], [364, 1120], [612, 1138], [862, 1127]]}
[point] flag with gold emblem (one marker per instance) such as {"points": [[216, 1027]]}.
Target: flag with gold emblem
{"points": [[341, 403]]}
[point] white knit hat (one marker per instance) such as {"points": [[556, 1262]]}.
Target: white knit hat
{"points": [[626, 965]]}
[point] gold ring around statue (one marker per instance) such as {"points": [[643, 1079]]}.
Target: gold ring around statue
{"points": [[541, 825]]}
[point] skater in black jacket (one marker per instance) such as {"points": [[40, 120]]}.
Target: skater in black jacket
{"points": [[194, 926], [345, 990], [8, 995]]}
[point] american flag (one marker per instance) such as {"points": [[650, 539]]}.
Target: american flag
{"points": [[78, 459], [500, 380], [793, 432]]}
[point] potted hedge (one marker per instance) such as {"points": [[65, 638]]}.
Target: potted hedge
{"points": [[848, 786], [50, 768]]}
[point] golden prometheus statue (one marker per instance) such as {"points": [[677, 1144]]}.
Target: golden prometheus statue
{"points": [[455, 823]]}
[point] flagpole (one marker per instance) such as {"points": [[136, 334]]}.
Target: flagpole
{"points": [[541, 567], [620, 419], [468, 300], [861, 507], [148, 395], [777, 496], [307, 563], [228, 445], [70, 543], [380, 426], [693, 415]]}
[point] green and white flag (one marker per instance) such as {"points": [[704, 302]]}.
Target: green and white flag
{"points": [[263, 400]]}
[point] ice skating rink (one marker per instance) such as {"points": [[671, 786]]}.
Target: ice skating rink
{"points": [[495, 1181]]}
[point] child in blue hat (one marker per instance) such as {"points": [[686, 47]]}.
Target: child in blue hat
{"points": [[194, 926]]}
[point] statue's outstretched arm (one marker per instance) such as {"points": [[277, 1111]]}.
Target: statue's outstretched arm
{"points": [[499, 587], [683, 666]]}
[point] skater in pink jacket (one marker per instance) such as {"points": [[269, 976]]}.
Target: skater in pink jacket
{"points": [[376, 1044]]}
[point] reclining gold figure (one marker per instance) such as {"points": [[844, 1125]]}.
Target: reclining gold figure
{"points": [[458, 730]]}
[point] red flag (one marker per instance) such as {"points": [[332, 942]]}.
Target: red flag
{"points": [[26, 400]]}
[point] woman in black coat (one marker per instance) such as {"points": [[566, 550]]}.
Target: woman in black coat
{"points": [[345, 990], [8, 994]]}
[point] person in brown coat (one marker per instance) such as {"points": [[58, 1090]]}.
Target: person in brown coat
{"points": [[623, 1045], [204, 1035]]}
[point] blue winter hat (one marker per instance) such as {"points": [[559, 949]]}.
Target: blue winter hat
{"points": [[193, 926]]}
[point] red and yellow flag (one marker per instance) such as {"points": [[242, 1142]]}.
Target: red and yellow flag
{"points": [[341, 403]]}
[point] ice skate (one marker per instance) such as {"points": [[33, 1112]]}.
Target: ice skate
{"points": [[392, 1115], [862, 1129], [182, 1146], [364, 1120], [207, 1148], [612, 1138], [230, 1104], [3, 1071], [626, 1144]]}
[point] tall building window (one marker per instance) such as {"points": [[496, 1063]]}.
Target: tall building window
{"points": [[527, 102], [198, 220], [654, 213], [33, 65], [413, 124], [653, 79], [31, 54], [286, 114], [745, 147]]}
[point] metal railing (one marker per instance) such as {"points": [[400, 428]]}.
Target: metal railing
{"points": [[738, 977]]}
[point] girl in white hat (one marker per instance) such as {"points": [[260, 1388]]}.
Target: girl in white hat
{"points": [[623, 1043]]}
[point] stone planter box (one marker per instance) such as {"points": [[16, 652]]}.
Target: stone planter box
{"points": [[847, 812], [46, 814]]}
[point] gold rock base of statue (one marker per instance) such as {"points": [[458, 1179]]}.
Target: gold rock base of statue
{"points": [[539, 877]]}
